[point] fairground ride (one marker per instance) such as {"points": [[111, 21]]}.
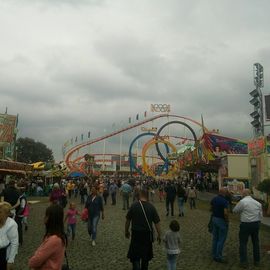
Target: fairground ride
{"points": [[166, 135]]}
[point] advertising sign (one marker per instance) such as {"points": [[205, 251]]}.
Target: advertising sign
{"points": [[7, 127], [257, 147]]}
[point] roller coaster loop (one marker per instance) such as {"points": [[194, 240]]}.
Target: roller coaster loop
{"points": [[146, 168], [131, 160], [169, 123]]}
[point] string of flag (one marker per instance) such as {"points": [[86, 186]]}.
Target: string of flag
{"points": [[137, 117], [74, 140]]}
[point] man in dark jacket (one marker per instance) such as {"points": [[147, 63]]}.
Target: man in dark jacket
{"points": [[170, 197], [11, 195], [141, 215], [219, 206]]}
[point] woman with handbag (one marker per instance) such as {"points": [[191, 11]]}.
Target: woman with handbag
{"points": [[50, 254], [141, 215]]}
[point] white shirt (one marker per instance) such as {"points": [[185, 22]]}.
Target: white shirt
{"points": [[9, 237], [172, 242], [250, 210]]}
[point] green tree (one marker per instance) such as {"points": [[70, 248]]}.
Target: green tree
{"points": [[30, 151], [264, 186]]}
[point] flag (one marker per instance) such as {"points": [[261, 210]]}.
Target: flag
{"points": [[67, 143], [89, 133], [82, 137], [17, 120], [137, 116], [129, 120], [145, 113]]}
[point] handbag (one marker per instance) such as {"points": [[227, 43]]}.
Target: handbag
{"points": [[66, 265], [152, 236], [210, 224], [84, 214]]}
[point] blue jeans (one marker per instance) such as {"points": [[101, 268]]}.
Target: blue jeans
{"points": [[249, 229], [71, 228], [181, 201], [220, 231], [192, 203], [125, 200], [92, 226], [171, 261]]}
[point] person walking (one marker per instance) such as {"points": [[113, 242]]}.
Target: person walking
{"points": [[125, 190], [50, 254], [181, 195], [220, 219], [142, 214], [9, 238], [71, 218], [192, 195], [170, 198], [94, 204], [105, 193], [172, 244], [56, 194], [22, 202], [112, 191], [70, 187], [11, 195], [250, 212]]}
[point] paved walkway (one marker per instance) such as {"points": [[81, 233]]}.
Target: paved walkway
{"points": [[111, 249]]}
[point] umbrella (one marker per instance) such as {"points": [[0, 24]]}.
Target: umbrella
{"points": [[76, 174]]}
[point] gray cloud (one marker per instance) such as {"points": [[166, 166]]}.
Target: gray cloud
{"points": [[68, 67]]}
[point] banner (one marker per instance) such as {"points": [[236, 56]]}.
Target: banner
{"points": [[257, 147], [7, 127]]}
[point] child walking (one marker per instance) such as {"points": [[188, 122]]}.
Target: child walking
{"points": [[71, 218], [172, 244]]}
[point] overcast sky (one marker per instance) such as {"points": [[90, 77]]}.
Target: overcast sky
{"points": [[70, 66]]}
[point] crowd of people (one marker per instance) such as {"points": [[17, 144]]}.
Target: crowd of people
{"points": [[142, 218]]}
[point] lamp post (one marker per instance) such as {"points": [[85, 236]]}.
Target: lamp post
{"points": [[257, 158]]}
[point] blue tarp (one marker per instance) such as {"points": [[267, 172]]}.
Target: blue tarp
{"points": [[76, 174]]}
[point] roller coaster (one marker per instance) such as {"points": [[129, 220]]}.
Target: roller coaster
{"points": [[77, 163]]}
